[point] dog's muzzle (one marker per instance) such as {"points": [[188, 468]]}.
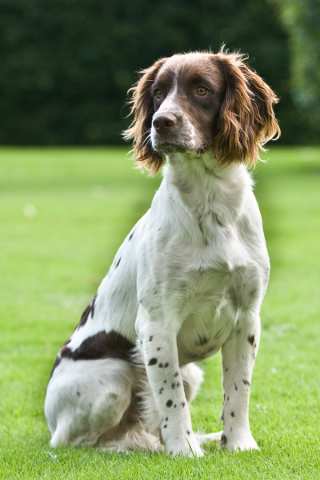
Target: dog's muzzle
{"points": [[169, 133]]}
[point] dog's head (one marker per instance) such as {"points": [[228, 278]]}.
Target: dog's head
{"points": [[199, 102]]}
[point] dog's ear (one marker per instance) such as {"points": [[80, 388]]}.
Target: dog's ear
{"points": [[246, 120], [142, 110]]}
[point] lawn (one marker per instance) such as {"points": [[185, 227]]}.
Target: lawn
{"points": [[63, 213]]}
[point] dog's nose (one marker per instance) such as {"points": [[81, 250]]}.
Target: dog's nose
{"points": [[164, 122]]}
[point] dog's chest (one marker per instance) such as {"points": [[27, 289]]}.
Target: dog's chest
{"points": [[205, 305], [207, 315]]}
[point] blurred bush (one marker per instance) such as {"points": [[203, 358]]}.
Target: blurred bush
{"points": [[302, 20], [66, 64]]}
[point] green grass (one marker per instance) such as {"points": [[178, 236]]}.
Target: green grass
{"points": [[63, 213]]}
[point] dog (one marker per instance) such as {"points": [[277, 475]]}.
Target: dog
{"points": [[190, 277]]}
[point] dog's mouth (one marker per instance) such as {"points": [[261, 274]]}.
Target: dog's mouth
{"points": [[170, 147], [183, 142], [167, 147], [168, 142]]}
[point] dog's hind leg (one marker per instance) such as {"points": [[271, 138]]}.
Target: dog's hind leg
{"points": [[86, 399]]}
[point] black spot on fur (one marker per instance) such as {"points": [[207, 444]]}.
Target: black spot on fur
{"points": [[236, 387], [101, 345], [224, 440], [188, 432], [161, 390], [160, 365], [152, 361], [169, 403], [173, 385], [166, 419], [183, 404], [164, 381], [246, 382], [176, 374], [232, 414], [118, 263], [226, 369], [175, 405], [251, 339], [131, 235], [150, 338], [228, 398], [166, 365], [87, 311], [158, 349], [84, 316], [78, 393], [164, 426], [178, 384]]}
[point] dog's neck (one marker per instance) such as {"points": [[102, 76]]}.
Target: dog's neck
{"points": [[206, 188]]}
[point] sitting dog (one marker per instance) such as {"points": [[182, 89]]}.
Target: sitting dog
{"points": [[189, 279]]}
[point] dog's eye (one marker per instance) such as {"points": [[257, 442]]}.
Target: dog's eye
{"points": [[157, 94], [202, 91]]}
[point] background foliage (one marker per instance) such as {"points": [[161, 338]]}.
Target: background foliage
{"points": [[66, 64], [302, 20]]}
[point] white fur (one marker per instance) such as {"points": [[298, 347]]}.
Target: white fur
{"points": [[190, 282]]}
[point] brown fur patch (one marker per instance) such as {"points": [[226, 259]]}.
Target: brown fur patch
{"points": [[100, 345], [142, 111], [87, 311], [247, 120]]}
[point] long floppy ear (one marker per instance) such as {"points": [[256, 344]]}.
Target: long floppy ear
{"points": [[246, 120], [142, 110]]}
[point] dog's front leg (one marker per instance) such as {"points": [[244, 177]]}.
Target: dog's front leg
{"points": [[158, 344], [238, 357]]}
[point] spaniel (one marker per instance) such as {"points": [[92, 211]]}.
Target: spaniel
{"points": [[189, 279]]}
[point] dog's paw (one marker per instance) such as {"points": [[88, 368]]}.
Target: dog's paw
{"points": [[190, 447], [239, 442]]}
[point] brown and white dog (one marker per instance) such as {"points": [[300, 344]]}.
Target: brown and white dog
{"points": [[189, 279]]}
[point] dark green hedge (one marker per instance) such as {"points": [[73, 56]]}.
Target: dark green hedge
{"points": [[302, 20], [66, 64]]}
